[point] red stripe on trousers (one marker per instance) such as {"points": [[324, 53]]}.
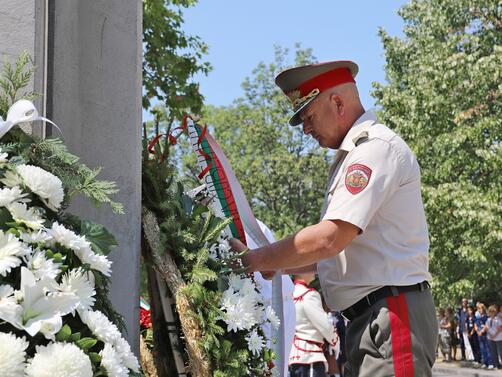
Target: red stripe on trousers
{"points": [[400, 335]]}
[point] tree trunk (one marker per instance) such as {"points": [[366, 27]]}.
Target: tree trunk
{"points": [[164, 263]]}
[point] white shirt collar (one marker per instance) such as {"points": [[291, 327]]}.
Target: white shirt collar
{"points": [[359, 126]]}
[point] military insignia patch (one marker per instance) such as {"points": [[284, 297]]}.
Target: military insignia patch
{"points": [[357, 178]]}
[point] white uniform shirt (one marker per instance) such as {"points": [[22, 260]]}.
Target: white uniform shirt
{"points": [[376, 187], [312, 327]]}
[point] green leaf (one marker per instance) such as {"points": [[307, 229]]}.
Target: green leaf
{"points": [[75, 337], [64, 334], [102, 241], [5, 217], [95, 358], [86, 343]]}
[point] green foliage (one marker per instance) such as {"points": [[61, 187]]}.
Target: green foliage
{"points": [[444, 98], [188, 230], [171, 58], [282, 171], [13, 79], [102, 241]]}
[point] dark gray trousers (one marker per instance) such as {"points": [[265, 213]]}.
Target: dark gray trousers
{"points": [[397, 336]]}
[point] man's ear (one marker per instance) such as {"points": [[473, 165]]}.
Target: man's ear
{"points": [[337, 101]]}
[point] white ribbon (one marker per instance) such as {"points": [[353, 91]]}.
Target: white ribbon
{"points": [[22, 111]]}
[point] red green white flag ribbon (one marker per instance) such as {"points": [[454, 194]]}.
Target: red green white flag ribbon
{"points": [[230, 201]]}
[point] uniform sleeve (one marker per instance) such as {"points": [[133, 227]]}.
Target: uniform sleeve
{"points": [[319, 318], [371, 174]]}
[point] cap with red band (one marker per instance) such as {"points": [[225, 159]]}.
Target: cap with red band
{"points": [[303, 84]]}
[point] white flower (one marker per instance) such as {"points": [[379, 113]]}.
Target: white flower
{"points": [[59, 360], [272, 317], [78, 283], [9, 195], [235, 282], [3, 156], [99, 263], [41, 266], [46, 185], [255, 342], [28, 216], [12, 355], [11, 252], [229, 298], [128, 359], [10, 310], [65, 237], [42, 302], [81, 247], [112, 362], [39, 236], [100, 326], [11, 179], [51, 327]]}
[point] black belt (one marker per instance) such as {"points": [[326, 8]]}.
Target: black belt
{"points": [[389, 290]]}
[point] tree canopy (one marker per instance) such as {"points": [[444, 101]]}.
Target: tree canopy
{"points": [[443, 96]]}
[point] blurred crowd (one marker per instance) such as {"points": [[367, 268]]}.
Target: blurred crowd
{"points": [[475, 331]]}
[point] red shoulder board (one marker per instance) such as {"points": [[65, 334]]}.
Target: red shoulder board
{"points": [[357, 178]]}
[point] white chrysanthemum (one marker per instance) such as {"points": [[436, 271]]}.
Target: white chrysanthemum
{"points": [[40, 236], [10, 310], [12, 355], [44, 184], [99, 263], [272, 317], [28, 216], [68, 238], [11, 179], [78, 283], [128, 359], [229, 298], [4, 157], [112, 362], [233, 317], [100, 326], [41, 266], [11, 252], [9, 195], [255, 342], [235, 282], [59, 360]]}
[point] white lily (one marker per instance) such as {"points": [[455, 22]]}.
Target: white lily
{"points": [[43, 302], [10, 311]]}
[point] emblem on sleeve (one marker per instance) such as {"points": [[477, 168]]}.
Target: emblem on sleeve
{"points": [[357, 178]]}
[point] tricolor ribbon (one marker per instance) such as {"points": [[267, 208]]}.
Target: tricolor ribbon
{"points": [[22, 111], [230, 201]]}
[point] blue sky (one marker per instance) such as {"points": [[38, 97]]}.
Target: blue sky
{"points": [[240, 34]]}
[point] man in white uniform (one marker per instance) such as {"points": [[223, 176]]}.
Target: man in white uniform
{"points": [[370, 247]]}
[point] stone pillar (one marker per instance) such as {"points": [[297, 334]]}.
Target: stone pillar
{"points": [[23, 27], [94, 95]]}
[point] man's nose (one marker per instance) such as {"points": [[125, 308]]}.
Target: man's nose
{"points": [[306, 128]]}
